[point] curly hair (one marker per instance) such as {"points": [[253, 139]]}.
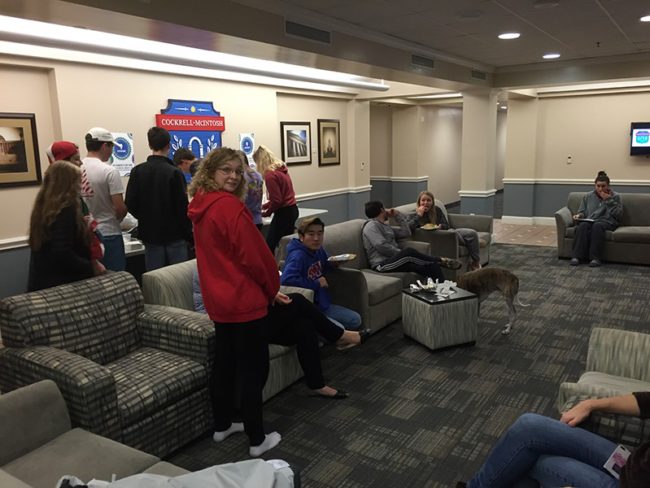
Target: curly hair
{"points": [[266, 160], [61, 189], [203, 181]]}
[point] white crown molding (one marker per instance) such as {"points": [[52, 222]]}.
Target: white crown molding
{"points": [[14, 243], [477, 193], [332, 193], [557, 181], [511, 219], [408, 179]]}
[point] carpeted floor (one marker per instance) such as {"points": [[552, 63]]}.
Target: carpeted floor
{"points": [[418, 418]]}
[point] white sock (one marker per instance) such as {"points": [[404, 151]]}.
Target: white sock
{"points": [[233, 429], [270, 441]]}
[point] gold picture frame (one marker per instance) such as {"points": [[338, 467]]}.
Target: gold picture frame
{"points": [[329, 142], [19, 158]]}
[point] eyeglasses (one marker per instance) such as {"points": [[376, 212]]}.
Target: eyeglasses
{"points": [[231, 171]]}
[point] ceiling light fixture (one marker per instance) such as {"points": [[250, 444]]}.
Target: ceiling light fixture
{"points": [[46, 34], [437, 95], [509, 35], [645, 18], [551, 56]]}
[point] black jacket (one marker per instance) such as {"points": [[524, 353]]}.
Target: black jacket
{"points": [[156, 195], [63, 258]]}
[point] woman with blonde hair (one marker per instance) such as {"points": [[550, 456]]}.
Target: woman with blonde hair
{"points": [[281, 196], [239, 280], [58, 234], [426, 212]]}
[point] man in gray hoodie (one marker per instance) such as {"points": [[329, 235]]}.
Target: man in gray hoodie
{"points": [[385, 256]]}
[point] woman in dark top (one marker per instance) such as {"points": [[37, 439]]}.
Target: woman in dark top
{"points": [[58, 234], [556, 453]]}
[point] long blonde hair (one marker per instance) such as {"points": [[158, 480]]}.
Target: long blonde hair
{"points": [[203, 180], [266, 160], [61, 189], [430, 216]]}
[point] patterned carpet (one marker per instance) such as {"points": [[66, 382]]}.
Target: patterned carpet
{"points": [[422, 419]]}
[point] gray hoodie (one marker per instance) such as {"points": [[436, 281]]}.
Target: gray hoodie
{"points": [[380, 239], [610, 210]]}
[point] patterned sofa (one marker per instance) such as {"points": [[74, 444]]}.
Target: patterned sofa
{"points": [[617, 364], [134, 373], [445, 242], [376, 296], [172, 286], [629, 243]]}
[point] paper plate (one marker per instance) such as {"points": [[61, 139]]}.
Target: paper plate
{"points": [[428, 227], [341, 258]]}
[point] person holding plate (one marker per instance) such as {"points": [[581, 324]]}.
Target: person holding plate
{"points": [[306, 265], [430, 217]]}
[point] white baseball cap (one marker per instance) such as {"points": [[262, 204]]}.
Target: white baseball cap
{"points": [[99, 134]]}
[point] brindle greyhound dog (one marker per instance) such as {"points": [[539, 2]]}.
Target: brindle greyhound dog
{"points": [[484, 281]]}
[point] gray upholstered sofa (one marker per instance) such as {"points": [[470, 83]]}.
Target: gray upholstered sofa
{"points": [[445, 242], [38, 444], [617, 364], [630, 243], [376, 296], [172, 286], [135, 373]]}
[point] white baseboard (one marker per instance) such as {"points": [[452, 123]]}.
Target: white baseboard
{"points": [[508, 219]]}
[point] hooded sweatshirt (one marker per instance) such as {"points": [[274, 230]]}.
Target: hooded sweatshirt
{"points": [[238, 274], [280, 190], [303, 267]]}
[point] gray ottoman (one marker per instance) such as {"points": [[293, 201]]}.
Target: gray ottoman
{"points": [[440, 322]]}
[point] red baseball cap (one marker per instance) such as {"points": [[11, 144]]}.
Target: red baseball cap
{"points": [[62, 150]]}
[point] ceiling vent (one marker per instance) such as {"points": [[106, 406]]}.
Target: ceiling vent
{"points": [[421, 62], [479, 75], [307, 32]]}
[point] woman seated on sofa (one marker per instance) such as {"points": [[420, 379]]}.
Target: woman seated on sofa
{"points": [[556, 453], [298, 323], [427, 213]]}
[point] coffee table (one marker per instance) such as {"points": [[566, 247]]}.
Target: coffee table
{"points": [[440, 322]]}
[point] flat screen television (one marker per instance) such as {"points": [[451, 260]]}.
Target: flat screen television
{"points": [[640, 139]]}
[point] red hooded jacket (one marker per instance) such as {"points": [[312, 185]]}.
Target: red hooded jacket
{"points": [[238, 274], [280, 190]]}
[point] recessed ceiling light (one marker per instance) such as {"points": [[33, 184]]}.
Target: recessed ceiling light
{"points": [[509, 35], [645, 18], [551, 56]]}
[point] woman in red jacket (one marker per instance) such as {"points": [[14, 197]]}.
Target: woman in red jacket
{"points": [[239, 280], [282, 198]]}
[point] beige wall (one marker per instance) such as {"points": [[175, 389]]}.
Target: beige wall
{"points": [[70, 98], [381, 140], [595, 131], [406, 134], [499, 169]]}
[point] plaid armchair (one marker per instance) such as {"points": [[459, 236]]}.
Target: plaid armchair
{"points": [[616, 365], [135, 373]]}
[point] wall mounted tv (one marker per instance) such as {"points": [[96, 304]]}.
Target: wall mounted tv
{"points": [[640, 139]]}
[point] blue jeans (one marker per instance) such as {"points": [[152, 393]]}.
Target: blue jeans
{"points": [[114, 257], [548, 451], [343, 317], [161, 255]]}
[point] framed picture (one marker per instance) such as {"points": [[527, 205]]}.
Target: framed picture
{"points": [[329, 142], [19, 160], [296, 142]]}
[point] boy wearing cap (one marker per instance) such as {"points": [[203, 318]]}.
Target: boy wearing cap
{"points": [[105, 202], [306, 265], [157, 196]]}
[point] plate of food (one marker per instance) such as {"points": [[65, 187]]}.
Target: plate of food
{"points": [[342, 258], [429, 227]]}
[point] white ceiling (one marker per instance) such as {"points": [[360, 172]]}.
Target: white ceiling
{"points": [[468, 29]]}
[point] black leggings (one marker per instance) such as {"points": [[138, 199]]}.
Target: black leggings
{"points": [[299, 323], [242, 356], [284, 220]]}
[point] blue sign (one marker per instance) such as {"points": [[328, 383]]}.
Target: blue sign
{"points": [[246, 145]]}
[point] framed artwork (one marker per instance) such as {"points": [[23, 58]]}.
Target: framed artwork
{"points": [[19, 160], [329, 142], [296, 142]]}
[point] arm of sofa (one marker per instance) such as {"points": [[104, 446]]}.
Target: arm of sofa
{"points": [[563, 220], [348, 288], [183, 332], [308, 294], [480, 223], [620, 353], [87, 387], [442, 242]]}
